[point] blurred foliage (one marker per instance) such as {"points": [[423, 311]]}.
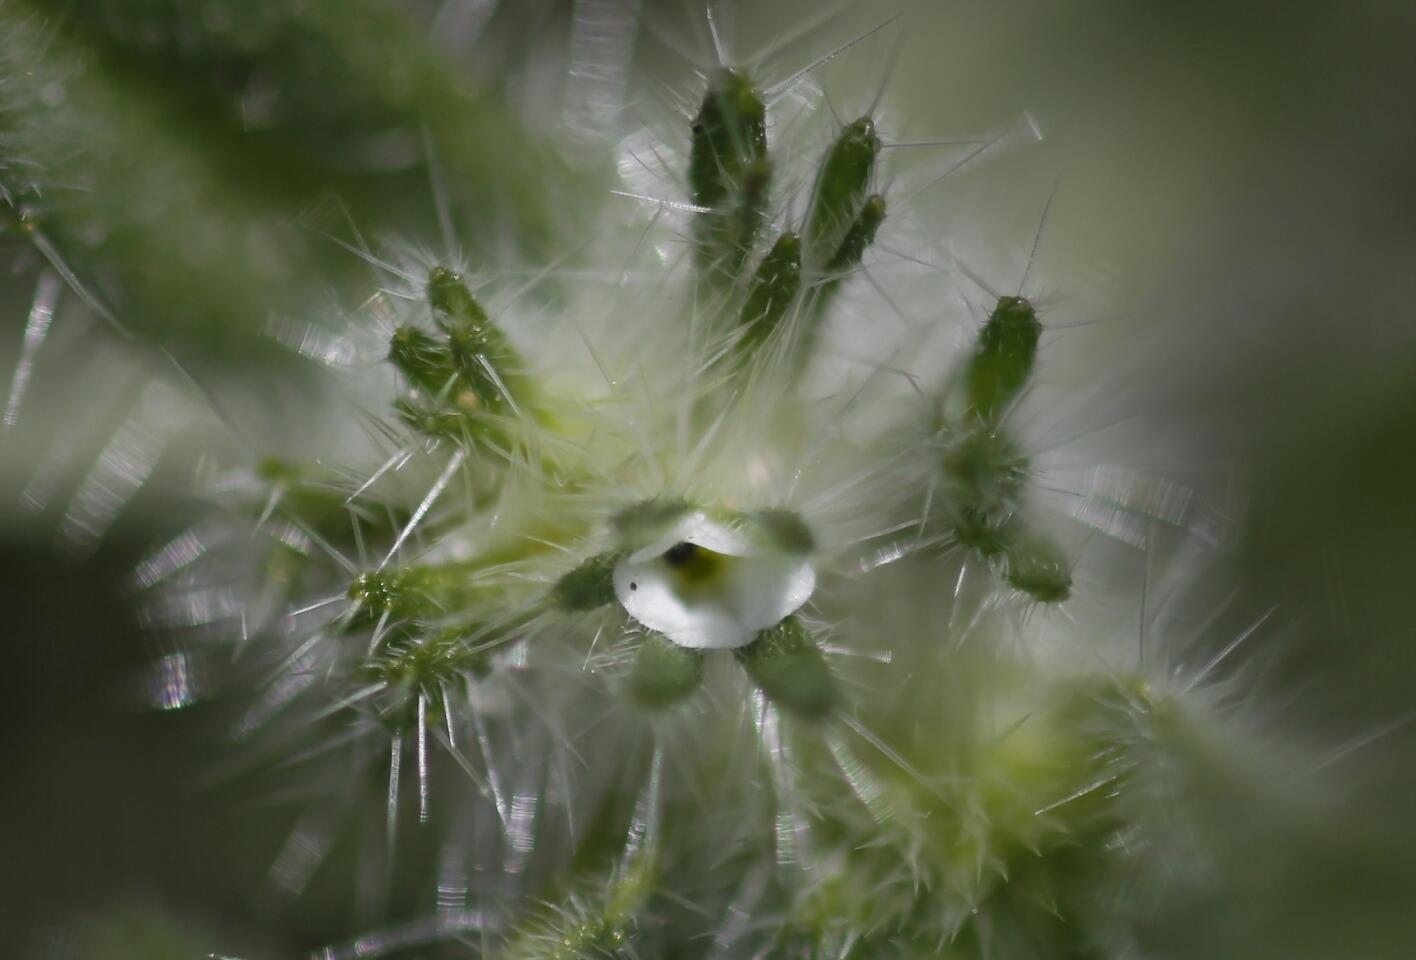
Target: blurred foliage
{"points": [[204, 166]]}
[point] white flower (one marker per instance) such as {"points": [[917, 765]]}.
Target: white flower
{"points": [[711, 585]]}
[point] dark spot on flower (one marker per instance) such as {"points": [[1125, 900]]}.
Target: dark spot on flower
{"points": [[633, 585], [680, 553]]}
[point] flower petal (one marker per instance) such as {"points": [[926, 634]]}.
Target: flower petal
{"points": [[649, 594], [756, 588]]}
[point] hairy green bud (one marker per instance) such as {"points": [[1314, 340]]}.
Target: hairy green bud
{"points": [[728, 172], [839, 193], [773, 290], [1007, 350], [1037, 566], [488, 368]]}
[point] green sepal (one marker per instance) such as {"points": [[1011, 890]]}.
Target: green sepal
{"points": [[590, 585], [664, 672], [640, 523], [785, 529], [790, 669]]}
